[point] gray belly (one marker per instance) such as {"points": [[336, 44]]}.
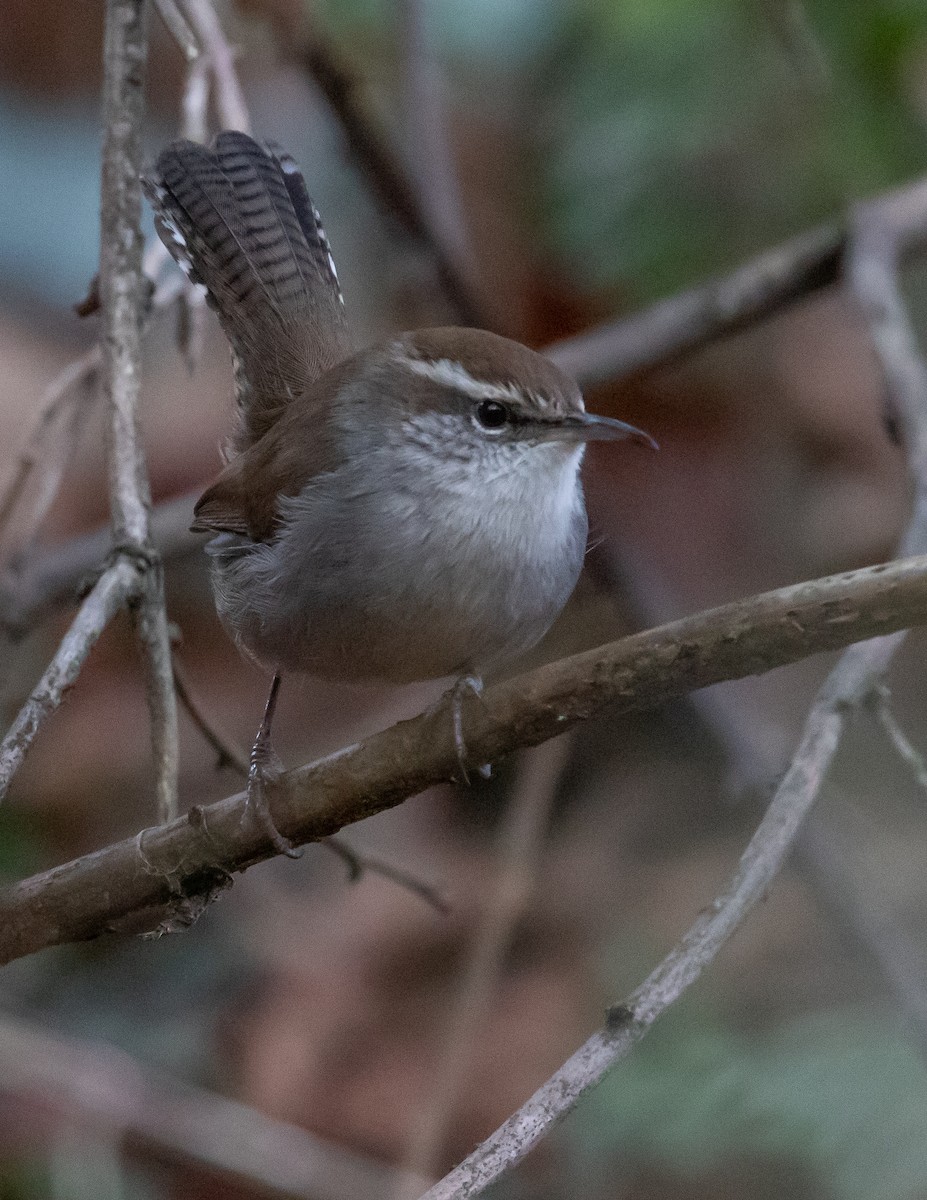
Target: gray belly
{"points": [[408, 599]]}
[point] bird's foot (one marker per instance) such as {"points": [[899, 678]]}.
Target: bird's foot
{"points": [[474, 685], [265, 766]]}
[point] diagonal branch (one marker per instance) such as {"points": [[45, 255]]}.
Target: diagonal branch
{"points": [[628, 1022], [121, 294], [60, 395], [674, 327], [185, 864], [880, 235], [230, 100], [429, 153], [115, 586], [383, 171]]}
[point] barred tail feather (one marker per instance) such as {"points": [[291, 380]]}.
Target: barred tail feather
{"points": [[238, 220]]}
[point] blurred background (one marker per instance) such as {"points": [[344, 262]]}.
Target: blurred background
{"points": [[594, 155]]}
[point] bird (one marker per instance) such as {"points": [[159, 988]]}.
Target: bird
{"points": [[406, 512]]}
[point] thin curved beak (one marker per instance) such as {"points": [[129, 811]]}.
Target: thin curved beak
{"points": [[588, 427]]}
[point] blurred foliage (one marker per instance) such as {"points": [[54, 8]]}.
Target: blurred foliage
{"points": [[843, 1092], [673, 137], [681, 135]]}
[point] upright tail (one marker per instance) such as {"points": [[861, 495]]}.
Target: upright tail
{"points": [[238, 220]]}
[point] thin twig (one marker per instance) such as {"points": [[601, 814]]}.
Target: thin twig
{"points": [[55, 577], [428, 149], [357, 864], [906, 751], [109, 594], [176, 24], [883, 232], [58, 396], [671, 328], [759, 866], [230, 100], [520, 843], [383, 171], [228, 754], [185, 863], [65, 400], [121, 294]]}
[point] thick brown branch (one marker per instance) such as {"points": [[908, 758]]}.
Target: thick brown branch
{"points": [[183, 864]]}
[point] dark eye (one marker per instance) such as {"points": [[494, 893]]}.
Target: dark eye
{"points": [[491, 414]]}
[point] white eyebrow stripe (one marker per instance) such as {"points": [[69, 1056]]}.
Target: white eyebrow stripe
{"points": [[450, 373]]}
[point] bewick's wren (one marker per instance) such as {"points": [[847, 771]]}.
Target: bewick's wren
{"points": [[406, 513]]}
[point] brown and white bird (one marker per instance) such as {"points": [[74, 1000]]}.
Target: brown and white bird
{"points": [[410, 512]]}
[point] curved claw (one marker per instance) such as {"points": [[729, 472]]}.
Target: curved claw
{"points": [[258, 807], [474, 684], [262, 758]]}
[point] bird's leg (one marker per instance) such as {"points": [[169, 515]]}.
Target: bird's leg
{"points": [[260, 770], [474, 684]]}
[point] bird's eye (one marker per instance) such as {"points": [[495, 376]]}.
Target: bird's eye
{"points": [[491, 414]]}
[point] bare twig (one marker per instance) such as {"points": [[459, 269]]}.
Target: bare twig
{"points": [[176, 24], [74, 380], [883, 232], [759, 865], [520, 844], [677, 326], [115, 586], [906, 751], [64, 404], [228, 754], [183, 864], [428, 150], [104, 1090], [387, 178], [121, 293], [230, 99], [54, 578], [357, 864]]}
